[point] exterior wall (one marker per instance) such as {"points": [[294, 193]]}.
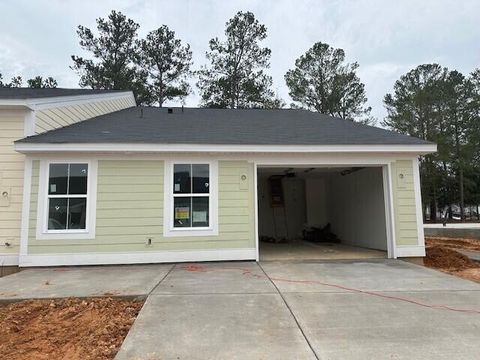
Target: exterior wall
{"points": [[130, 210], [11, 181], [406, 229], [52, 118]]}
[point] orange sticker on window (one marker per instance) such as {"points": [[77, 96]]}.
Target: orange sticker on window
{"points": [[182, 213]]}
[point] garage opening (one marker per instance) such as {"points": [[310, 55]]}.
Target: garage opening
{"points": [[321, 213]]}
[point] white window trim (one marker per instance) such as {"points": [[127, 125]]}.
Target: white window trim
{"points": [[168, 229], [42, 232]]}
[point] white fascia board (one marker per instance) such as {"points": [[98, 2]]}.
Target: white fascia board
{"points": [[421, 149], [48, 102]]}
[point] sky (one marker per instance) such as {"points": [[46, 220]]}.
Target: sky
{"points": [[386, 38]]}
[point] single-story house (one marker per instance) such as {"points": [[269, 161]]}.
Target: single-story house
{"points": [[151, 185]]}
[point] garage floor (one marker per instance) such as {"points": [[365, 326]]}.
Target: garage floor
{"points": [[304, 250]]}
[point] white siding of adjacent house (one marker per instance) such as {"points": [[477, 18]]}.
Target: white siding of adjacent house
{"points": [[60, 116], [11, 182]]}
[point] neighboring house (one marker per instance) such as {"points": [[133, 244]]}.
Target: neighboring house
{"points": [[26, 112], [146, 185]]}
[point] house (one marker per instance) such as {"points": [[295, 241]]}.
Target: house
{"points": [[149, 185], [26, 112]]}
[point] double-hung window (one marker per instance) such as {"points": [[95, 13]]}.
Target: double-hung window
{"points": [[67, 196], [67, 200], [192, 201]]}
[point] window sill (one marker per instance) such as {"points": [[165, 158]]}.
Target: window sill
{"points": [[190, 232], [65, 235]]}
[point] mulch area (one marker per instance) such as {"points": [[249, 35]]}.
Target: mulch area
{"points": [[442, 255], [70, 328]]}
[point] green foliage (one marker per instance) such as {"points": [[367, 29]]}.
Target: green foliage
{"points": [[236, 76], [167, 63], [114, 52], [442, 106], [40, 83], [36, 82], [322, 81]]}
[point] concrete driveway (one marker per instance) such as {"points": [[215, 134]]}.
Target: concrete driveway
{"points": [[378, 309]]}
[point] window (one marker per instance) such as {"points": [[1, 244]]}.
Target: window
{"points": [[67, 199], [191, 189], [67, 196], [190, 199]]}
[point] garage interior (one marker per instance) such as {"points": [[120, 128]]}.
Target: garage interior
{"points": [[321, 213]]}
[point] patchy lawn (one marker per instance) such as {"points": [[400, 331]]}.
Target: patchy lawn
{"points": [[70, 328], [442, 255]]}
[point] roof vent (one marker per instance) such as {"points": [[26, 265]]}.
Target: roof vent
{"points": [[170, 110]]}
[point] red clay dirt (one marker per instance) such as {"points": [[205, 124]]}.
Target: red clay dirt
{"points": [[442, 255], [71, 328], [457, 243]]}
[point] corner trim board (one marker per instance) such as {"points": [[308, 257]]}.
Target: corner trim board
{"points": [[418, 201], [27, 189], [137, 257]]}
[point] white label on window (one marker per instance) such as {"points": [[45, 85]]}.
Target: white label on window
{"points": [[177, 187], [199, 216], [53, 188]]}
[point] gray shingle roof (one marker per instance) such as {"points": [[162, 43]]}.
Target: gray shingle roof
{"points": [[221, 126], [28, 93]]}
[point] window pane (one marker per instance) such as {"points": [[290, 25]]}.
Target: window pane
{"points": [[77, 213], [57, 213], [181, 211], [200, 212], [57, 182], [201, 181], [78, 179], [181, 178]]}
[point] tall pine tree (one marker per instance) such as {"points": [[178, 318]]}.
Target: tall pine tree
{"points": [[236, 75]]}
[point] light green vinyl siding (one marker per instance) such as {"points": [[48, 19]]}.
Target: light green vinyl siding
{"points": [[11, 180], [404, 203], [53, 118], [130, 210]]}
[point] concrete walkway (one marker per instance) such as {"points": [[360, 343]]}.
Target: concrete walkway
{"points": [[44, 283], [378, 309]]}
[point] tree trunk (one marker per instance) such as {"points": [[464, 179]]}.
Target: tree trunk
{"points": [[462, 195], [433, 210]]}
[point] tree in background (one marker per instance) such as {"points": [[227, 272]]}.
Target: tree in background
{"points": [[236, 77], [114, 53], [37, 82], [167, 63], [435, 104], [414, 108], [322, 81], [40, 82]]}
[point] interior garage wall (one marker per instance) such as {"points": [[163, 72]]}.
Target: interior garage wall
{"points": [[285, 222], [356, 208], [316, 201]]}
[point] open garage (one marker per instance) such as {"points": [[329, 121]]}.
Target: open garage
{"points": [[322, 212]]}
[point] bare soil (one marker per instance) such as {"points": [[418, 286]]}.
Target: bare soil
{"points": [[442, 255], [457, 243], [71, 328]]}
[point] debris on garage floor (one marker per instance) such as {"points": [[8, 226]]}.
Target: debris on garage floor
{"points": [[323, 235], [443, 254], [72, 328]]}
